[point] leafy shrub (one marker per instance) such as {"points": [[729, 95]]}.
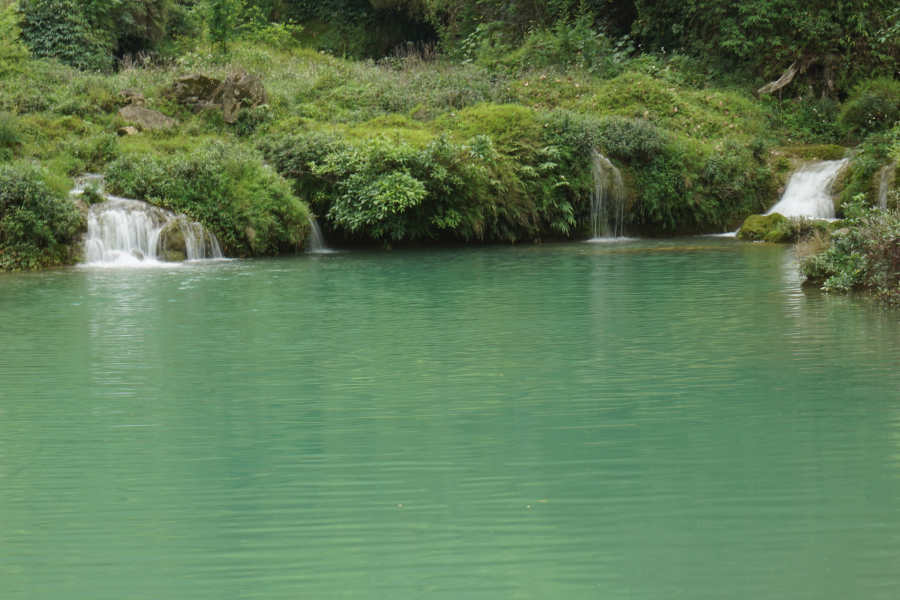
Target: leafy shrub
{"points": [[873, 106], [9, 135], [577, 44], [385, 189], [33, 217], [514, 129], [864, 255], [60, 29], [631, 139], [12, 51], [805, 120], [227, 188]]}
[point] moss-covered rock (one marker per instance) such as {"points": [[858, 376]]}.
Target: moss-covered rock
{"points": [[171, 256], [171, 238], [759, 228], [777, 229]]}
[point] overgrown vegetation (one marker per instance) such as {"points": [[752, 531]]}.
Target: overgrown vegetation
{"points": [[862, 256], [468, 121], [249, 207], [35, 219]]}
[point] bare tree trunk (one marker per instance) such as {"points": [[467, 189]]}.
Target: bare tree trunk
{"points": [[796, 67], [828, 89]]}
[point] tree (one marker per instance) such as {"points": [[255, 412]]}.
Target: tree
{"points": [[223, 18]]}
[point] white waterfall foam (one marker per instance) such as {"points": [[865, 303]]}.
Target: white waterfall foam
{"points": [[125, 232], [607, 200], [809, 191], [88, 180], [317, 243], [887, 175]]}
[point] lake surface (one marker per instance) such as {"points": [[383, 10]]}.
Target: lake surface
{"points": [[632, 420]]}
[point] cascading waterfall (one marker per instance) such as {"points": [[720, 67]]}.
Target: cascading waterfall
{"points": [[809, 191], [122, 231], [317, 243], [607, 200], [886, 176], [88, 180]]}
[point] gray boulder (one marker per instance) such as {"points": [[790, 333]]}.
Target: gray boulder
{"points": [[241, 88], [192, 89], [149, 119]]}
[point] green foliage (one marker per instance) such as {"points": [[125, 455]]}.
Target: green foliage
{"points": [[631, 139], [226, 187], [222, 19], [60, 29], [873, 107], [836, 41], [860, 175], [864, 256], [778, 229], [12, 51], [383, 188], [33, 218], [805, 120], [10, 137]]}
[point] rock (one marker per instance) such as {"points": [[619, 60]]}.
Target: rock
{"points": [[171, 238], [132, 97], [204, 93], [147, 118], [768, 228], [171, 256], [137, 254], [240, 88], [196, 88], [124, 131], [842, 231], [202, 105]]}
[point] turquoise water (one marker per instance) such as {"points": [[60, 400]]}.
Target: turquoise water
{"points": [[637, 420]]}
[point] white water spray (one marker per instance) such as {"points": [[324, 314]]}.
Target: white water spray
{"points": [[607, 200], [130, 232], [887, 175], [317, 243], [809, 192]]}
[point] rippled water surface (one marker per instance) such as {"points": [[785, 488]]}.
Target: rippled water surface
{"points": [[639, 420]]}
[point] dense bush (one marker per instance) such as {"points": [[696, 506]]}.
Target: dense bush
{"points": [[60, 29], [873, 107], [864, 256], [386, 189], [33, 218], [9, 135], [12, 51], [227, 188]]}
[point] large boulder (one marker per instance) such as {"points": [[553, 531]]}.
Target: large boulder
{"points": [[765, 228], [149, 119], [132, 97], [172, 238], [194, 89], [241, 88]]}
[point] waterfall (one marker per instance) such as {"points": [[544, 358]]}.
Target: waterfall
{"points": [[886, 177], [809, 191], [130, 232], [88, 180], [607, 200], [317, 238]]}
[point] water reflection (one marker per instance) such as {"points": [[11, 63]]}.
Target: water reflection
{"points": [[640, 419]]}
